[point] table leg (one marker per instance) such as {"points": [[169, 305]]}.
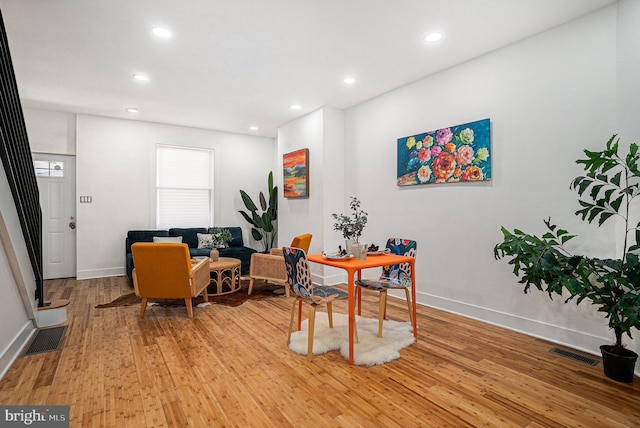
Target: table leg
{"points": [[413, 299], [359, 294], [352, 315]]}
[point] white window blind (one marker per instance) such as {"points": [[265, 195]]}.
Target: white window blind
{"points": [[184, 187]]}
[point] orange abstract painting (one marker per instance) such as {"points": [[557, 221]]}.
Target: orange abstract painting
{"points": [[296, 174]]}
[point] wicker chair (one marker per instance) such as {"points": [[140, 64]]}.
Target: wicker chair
{"points": [[270, 267]]}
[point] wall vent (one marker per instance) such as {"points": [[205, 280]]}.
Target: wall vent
{"points": [[47, 339], [574, 356]]}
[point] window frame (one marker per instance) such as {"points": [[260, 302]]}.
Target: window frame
{"points": [[168, 223]]}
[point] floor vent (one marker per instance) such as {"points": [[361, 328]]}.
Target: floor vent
{"points": [[574, 356], [47, 339]]}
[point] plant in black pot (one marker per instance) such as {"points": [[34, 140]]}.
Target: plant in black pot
{"points": [[608, 190]]}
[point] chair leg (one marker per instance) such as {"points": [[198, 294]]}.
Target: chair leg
{"points": [[355, 325], [187, 303], [406, 292], [382, 311], [143, 307], [250, 285], [293, 312], [330, 314], [286, 290], [312, 324], [205, 294]]}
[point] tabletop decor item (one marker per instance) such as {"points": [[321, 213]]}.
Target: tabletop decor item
{"points": [[221, 236], [351, 227], [295, 174], [264, 224], [454, 154], [610, 185]]}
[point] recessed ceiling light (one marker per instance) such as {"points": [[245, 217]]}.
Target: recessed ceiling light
{"points": [[349, 80], [432, 37], [253, 128], [131, 110], [296, 107], [141, 77], [161, 32]]}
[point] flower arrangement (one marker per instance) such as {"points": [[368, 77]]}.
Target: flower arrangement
{"points": [[221, 236], [447, 155], [351, 226]]}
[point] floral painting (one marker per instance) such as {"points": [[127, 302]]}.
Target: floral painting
{"points": [[447, 155], [296, 174]]}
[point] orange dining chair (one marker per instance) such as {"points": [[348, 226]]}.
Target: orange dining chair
{"points": [[270, 267], [393, 277], [299, 283], [164, 271]]}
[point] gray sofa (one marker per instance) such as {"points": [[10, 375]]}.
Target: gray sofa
{"points": [[236, 248]]}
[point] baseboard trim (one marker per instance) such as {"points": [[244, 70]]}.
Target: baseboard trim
{"points": [[16, 346], [100, 273], [559, 335], [329, 279]]}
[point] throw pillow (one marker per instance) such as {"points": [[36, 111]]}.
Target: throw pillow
{"points": [[175, 239], [206, 240]]}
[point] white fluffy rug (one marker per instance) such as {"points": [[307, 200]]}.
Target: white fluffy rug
{"points": [[370, 350]]}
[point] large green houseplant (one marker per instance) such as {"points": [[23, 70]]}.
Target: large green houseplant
{"points": [[610, 186], [264, 224]]}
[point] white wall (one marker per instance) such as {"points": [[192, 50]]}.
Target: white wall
{"points": [[629, 69], [548, 98], [628, 92], [17, 326], [116, 166], [322, 132], [51, 132]]}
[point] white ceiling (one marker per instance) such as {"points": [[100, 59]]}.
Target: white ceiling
{"points": [[235, 63]]}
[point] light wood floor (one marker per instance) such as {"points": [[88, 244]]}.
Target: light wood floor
{"points": [[230, 367]]}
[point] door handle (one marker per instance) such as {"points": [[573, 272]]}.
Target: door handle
{"points": [[72, 225]]}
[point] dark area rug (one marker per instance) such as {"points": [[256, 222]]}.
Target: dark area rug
{"points": [[260, 291]]}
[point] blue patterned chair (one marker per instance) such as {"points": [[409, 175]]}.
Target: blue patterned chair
{"points": [[301, 287], [393, 277]]}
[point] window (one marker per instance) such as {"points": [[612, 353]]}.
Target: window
{"points": [[49, 168], [184, 187]]}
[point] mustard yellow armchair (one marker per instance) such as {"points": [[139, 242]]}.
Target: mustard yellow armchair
{"points": [[164, 271], [270, 267]]}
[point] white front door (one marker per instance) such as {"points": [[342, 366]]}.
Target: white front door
{"points": [[56, 176]]}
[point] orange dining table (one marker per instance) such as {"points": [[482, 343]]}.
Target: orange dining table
{"points": [[354, 266]]}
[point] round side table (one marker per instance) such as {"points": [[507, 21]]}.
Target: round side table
{"points": [[225, 276]]}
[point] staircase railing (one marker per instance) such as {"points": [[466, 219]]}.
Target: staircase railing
{"points": [[16, 158]]}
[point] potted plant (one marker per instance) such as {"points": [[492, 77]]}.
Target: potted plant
{"points": [[351, 226], [264, 224], [610, 186], [221, 236]]}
